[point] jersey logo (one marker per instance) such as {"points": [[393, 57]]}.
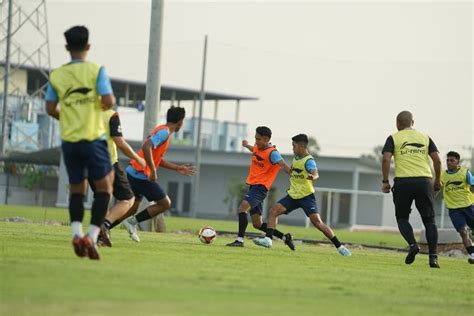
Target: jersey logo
{"points": [[417, 145], [453, 183], [258, 157], [297, 170], [82, 90]]}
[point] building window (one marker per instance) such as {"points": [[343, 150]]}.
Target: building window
{"points": [[187, 198]]}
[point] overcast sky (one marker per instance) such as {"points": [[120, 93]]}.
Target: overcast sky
{"points": [[338, 71]]}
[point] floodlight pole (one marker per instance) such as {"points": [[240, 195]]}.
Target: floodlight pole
{"points": [[6, 79], [197, 157]]}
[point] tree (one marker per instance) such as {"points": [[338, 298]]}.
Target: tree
{"points": [[313, 146], [236, 190], [375, 155]]}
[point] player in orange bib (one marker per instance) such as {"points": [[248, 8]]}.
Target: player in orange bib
{"points": [[143, 179], [264, 168]]}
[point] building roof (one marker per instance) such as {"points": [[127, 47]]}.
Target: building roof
{"points": [[137, 88]]}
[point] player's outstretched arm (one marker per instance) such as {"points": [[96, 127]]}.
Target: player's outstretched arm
{"points": [[127, 150], [246, 144], [284, 166], [52, 109], [185, 170]]}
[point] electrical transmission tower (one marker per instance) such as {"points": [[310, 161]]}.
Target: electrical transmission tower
{"points": [[24, 42]]}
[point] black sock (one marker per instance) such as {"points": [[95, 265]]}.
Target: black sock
{"points": [[76, 207], [142, 216], [269, 233], [263, 228], [278, 234], [107, 224], [99, 208], [407, 231], [470, 250], [243, 222], [115, 224], [431, 235], [336, 242]]}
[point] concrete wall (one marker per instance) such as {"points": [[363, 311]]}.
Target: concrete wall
{"points": [[19, 194]]}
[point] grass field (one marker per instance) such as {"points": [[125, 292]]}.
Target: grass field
{"points": [[174, 274]]}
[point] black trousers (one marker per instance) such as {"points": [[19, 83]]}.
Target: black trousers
{"points": [[407, 190]]}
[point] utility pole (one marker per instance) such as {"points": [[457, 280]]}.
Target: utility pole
{"points": [[153, 84], [197, 158]]}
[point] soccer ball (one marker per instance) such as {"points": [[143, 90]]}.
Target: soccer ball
{"points": [[207, 234]]}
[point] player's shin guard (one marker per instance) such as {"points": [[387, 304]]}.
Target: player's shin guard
{"points": [[99, 208], [431, 234], [76, 207]]}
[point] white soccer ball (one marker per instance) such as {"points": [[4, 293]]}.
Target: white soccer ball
{"points": [[207, 234]]}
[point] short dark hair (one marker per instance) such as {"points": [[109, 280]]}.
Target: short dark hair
{"points": [[454, 154], [77, 37], [175, 114], [301, 139], [264, 131]]}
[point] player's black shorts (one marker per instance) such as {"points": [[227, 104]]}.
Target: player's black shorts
{"points": [[122, 190], [308, 204], [145, 188], [83, 156], [462, 217], [407, 190], [255, 196]]}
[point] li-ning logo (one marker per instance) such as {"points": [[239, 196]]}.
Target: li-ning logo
{"points": [[82, 90], [453, 186], [295, 173], [258, 161], [419, 148], [78, 101]]}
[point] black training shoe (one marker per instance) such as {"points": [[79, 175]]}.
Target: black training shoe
{"points": [[104, 237], [434, 262], [412, 252], [236, 244], [289, 241]]}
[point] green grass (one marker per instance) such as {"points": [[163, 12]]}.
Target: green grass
{"points": [[174, 274], [174, 224]]}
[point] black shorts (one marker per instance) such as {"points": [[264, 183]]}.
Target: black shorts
{"points": [[308, 204], [407, 190], [122, 190], [83, 156], [255, 196], [145, 188]]}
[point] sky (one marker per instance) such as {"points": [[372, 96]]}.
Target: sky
{"points": [[337, 71]]}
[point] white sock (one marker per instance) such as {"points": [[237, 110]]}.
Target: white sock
{"points": [[77, 229], [94, 232], [132, 220], [241, 239]]}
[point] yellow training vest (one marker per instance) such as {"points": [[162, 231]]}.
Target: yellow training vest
{"points": [[411, 154], [80, 116], [300, 186], [110, 142], [456, 190]]}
